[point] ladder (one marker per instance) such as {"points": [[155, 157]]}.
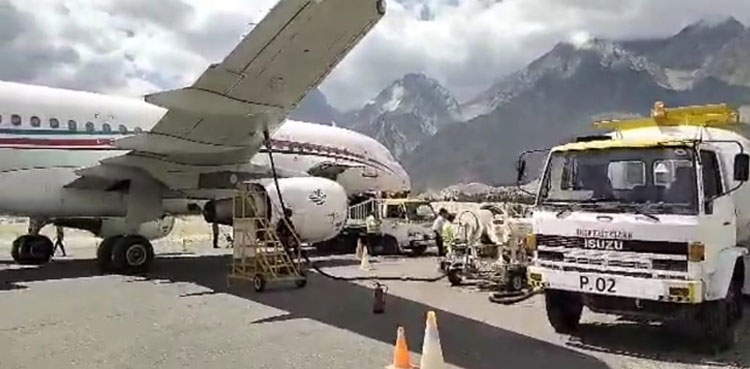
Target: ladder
{"points": [[260, 255]]}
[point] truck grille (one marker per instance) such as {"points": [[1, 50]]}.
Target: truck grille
{"points": [[656, 247], [641, 258]]}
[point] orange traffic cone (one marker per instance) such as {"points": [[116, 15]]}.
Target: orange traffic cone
{"points": [[432, 353], [401, 358]]}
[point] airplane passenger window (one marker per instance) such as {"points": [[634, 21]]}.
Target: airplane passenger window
{"points": [[35, 121], [72, 125], [54, 123], [106, 128], [15, 120], [122, 129], [89, 127]]}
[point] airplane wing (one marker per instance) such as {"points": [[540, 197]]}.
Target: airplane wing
{"points": [[216, 125]]}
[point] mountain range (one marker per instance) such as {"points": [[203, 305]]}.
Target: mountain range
{"points": [[552, 99]]}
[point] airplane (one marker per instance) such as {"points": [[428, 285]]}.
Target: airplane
{"points": [[122, 167]]}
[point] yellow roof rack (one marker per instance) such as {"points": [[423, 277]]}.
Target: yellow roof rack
{"points": [[710, 115]]}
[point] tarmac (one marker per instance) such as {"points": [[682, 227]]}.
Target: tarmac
{"points": [[184, 315]]}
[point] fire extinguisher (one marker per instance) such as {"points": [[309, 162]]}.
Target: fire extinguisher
{"points": [[378, 306]]}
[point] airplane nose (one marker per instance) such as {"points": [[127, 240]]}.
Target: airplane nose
{"points": [[403, 176]]}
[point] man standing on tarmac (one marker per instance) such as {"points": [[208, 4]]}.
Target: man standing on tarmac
{"points": [[59, 241], [437, 229], [373, 231], [215, 231], [449, 231]]}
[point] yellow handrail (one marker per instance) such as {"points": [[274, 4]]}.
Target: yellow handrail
{"points": [[709, 115]]}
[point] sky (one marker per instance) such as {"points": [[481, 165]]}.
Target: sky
{"points": [[134, 47]]}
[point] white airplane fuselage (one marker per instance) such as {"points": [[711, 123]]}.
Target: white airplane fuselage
{"points": [[46, 134]]}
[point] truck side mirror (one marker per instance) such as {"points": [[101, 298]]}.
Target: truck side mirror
{"points": [[520, 170], [741, 167]]}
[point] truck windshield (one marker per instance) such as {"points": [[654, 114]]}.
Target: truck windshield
{"points": [[659, 177], [420, 211]]}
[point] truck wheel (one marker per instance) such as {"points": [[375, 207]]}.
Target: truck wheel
{"points": [[454, 277], [718, 334], [389, 246], [563, 310], [718, 320], [418, 250], [348, 243]]}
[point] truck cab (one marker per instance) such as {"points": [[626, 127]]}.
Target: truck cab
{"points": [[405, 224], [649, 220]]}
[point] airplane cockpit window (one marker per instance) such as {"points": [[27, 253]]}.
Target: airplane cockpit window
{"points": [[122, 129], [35, 121], [72, 125], [54, 123], [15, 120], [89, 127], [106, 128]]}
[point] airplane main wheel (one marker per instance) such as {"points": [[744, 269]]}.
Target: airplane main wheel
{"points": [[32, 249], [15, 252], [132, 254], [104, 253]]}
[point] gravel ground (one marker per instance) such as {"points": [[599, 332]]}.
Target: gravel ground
{"points": [[183, 315]]}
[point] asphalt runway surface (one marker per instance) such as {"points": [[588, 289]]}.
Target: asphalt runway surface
{"points": [[184, 315]]}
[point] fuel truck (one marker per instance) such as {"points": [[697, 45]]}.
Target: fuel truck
{"points": [[650, 219]]}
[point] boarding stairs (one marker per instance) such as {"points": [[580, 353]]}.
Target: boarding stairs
{"points": [[260, 255]]}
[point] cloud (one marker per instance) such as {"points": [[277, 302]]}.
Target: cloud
{"points": [[19, 57], [579, 38], [134, 47], [467, 44]]}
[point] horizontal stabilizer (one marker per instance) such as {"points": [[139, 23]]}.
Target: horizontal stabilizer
{"points": [[203, 103], [169, 145]]}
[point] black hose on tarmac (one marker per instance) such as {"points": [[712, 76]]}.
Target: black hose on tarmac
{"points": [[509, 298], [267, 141]]}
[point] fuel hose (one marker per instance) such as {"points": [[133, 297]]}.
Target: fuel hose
{"points": [[510, 298]]}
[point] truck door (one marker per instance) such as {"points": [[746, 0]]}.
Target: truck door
{"points": [[718, 224]]}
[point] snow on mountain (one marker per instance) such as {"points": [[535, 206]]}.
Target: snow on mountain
{"points": [[731, 64], [563, 61], [406, 112], [692, 46], [557, 96]]}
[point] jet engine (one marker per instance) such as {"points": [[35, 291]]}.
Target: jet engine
{"points": [[107, 227], [317, 207]]}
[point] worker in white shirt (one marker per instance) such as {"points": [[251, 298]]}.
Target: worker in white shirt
{"points": [[437, 229], [373, 231]]}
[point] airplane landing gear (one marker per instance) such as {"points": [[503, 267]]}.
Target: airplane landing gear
{"points": [[32, 249], [125, 254]]}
